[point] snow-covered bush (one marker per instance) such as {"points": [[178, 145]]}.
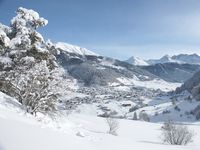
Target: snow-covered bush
{"points": [[176, 134], [113, 125]]}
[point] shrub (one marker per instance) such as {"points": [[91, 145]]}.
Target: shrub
{"points": [[113, 125], [176, 134], [135, 116]]}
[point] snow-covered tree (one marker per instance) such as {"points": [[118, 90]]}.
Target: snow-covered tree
{"points": [[24, 25], [144, 116], [4, 39], [28, 68], [40, 88], [135, 116]]}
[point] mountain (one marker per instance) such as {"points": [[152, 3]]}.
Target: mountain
{"points": [[93, 69], [74, 49], [177, 68], [90, 68], [181, 59], [137, 61], [173, 72], [185, 58], [164, 59]]}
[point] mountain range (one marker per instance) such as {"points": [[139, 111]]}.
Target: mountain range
{"points": [[180, 59], [93, 69]]}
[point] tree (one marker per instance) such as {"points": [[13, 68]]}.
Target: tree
{"points": [[176, 134], [135, 116], [144, 116], [29, 71], [24, 26], [113, 125], [41, 88]]}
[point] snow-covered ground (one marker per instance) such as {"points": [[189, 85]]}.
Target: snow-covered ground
{"points": [[19, 131], [151, 84]]}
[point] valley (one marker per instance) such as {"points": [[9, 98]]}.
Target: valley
{"points": [[54, 95]]}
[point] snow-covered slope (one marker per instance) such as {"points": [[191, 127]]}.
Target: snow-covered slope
{"points": [[74, 49], [77, 132], [137, 61], [156, 84]]}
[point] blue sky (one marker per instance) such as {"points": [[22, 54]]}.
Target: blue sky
{"points": [[118, 28]]}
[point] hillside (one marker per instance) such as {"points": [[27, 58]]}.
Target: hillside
{"points": [[173, 72], [77, 131]]}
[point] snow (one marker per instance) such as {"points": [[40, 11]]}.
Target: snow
{"points": [[40, 49], [29, 15], [5, 60], [180, 59], [74, 49], [78, 131], [4, 38], [5, 28], [28, 59], [137, 61], [18, 40], [151, 84]]}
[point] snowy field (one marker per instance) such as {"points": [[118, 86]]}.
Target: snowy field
{"points": [[19, 131], [151, 84]]}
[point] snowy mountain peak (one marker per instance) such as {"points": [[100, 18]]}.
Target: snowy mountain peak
{"points": [[74, 49], [137, 61], [166, 58]]}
